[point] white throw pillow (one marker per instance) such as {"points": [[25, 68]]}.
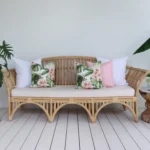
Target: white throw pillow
{"points": [[119, 69], [23, 72]]}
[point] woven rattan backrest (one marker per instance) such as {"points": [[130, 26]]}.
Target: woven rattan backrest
{"points": [[65, 68], [135, 76]]}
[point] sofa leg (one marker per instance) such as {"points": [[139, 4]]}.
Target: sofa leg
{"points": [[124, 107], [136, 119], [9, 118], [10, 111], [21, 107], [50, 119], [92, 119]]}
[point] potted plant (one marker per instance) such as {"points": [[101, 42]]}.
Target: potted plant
{"points": [[143, 48], [5, 54]]}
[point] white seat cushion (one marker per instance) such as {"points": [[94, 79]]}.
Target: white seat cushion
{"points": [[71, 91]]}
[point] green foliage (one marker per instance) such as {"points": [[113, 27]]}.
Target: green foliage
{"points": [[35, 78], [81, 68], [35, 67], [148, 75], [148, 80], [45, 71], [5, 54], [50, 82], [143, 48], [79, 80], [99, 63], [90, 71]]}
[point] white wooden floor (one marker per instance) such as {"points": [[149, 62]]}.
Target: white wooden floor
{"points": [[71, 130]]}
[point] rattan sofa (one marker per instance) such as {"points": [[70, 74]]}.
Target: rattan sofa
{"points": [[65, 93]]}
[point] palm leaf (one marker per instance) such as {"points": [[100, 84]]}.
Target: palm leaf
{"points": [[89, 72], [35, 78], [5, 53], [35, 67], [81, 68], [45, 72], [6, 50], [143, 48], [79, 80], [50, 82]]}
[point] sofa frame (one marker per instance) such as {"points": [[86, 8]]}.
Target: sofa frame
{"points": [[66, 75]]}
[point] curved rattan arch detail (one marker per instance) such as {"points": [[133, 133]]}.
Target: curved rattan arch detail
{"points": [[129, 107], [56, 111], [49, 116], [19, 105]]}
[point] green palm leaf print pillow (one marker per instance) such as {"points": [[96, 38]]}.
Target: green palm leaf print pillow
{"points": [[89, 78], [43, 76]]}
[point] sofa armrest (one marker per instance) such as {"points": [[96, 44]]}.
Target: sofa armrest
{"points": [[135, 77], [9, 80]]}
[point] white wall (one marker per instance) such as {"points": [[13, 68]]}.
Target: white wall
{"points": [[42, 28]]}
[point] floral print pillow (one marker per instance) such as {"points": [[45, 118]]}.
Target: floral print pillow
{"points": [[43, 76], [89, 77]]}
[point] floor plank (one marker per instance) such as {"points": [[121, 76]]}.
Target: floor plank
{"points": [[124, 136], [34, 136], [47, 135], [72, 130], [86, 141], [7, 125], [141, 141], [110, 134], [3, 116], [2, 112], [140, 126], [72, 140], [59, 139], [18, 141], [98, 136], [7, 138]]}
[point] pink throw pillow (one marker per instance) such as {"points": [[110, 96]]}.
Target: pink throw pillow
{"points": [[107, 73]]}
